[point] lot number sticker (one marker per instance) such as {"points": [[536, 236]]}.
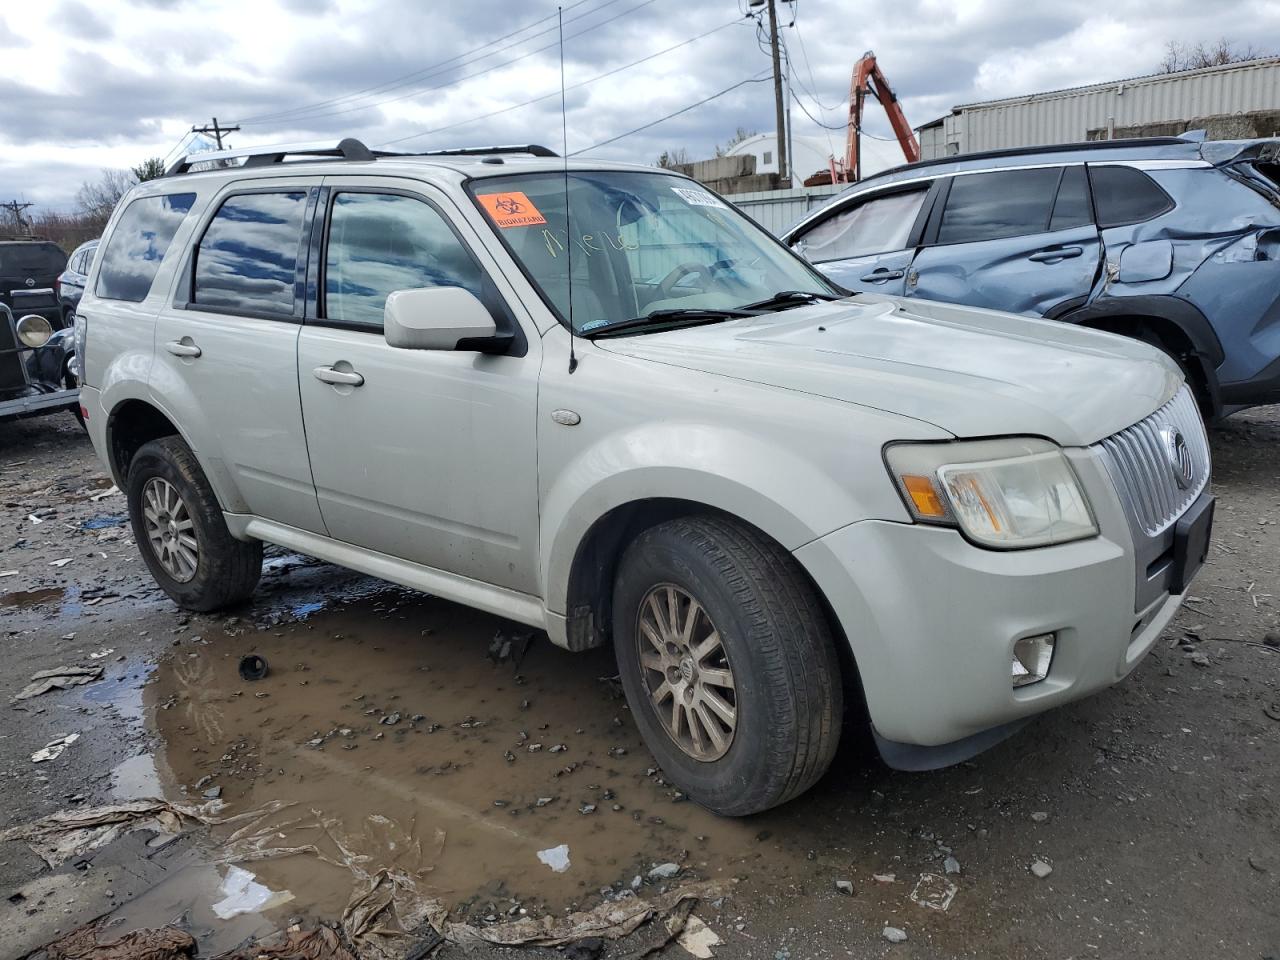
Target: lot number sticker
{"points": [[698, 198], [511, 209]]}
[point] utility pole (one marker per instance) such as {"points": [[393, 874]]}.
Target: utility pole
{"points": [[15, 209], [784, 168], [218, 131]]}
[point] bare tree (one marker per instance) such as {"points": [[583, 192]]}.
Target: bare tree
{"points": [[1178, 57], [673, 158], [742, 133], [96, 199]]}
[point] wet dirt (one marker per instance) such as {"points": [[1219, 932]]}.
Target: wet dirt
{"points": [[385, 724], [31, 598]]}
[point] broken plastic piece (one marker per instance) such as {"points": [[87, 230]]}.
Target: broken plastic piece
{"points": [[557, 858]]}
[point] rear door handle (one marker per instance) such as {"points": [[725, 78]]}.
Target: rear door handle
{"points": [[879, 276], [1060, 253], [348, 378], [183, 348]]}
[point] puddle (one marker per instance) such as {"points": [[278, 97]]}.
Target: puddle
{"points": [[386, 731], [31, 598]]}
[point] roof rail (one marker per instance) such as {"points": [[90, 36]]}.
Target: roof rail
{"points": [[348, 149], [533, 149]]}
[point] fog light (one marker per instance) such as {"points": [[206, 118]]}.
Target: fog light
{"points": [[1031, 659]]}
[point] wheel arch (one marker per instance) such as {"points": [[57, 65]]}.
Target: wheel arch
{"points": [[1168, 322]]}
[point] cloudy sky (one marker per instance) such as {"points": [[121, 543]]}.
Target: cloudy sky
{"points": [[89, 84]]}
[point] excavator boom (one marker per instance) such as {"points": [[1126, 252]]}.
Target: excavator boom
{"points": [[868, 78]]}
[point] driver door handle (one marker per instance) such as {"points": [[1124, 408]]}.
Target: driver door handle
{"points": [[183, 348], [342, 377], [1052, 254], [878, 276]]}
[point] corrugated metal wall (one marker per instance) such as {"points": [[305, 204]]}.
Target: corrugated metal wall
{"points": [[775, 210], [1067, 116]]}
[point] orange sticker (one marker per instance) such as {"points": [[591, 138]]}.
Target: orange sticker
{"points": [[511, 209]]}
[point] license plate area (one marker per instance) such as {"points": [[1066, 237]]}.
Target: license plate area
{"points": [[1191, 543]]}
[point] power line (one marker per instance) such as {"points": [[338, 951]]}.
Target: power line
{"points": [[759, 78], [216, 130], [548, 96], [305, 114]]}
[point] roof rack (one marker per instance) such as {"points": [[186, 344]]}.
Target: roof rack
{"points": [[348, 149], [533, 149]]}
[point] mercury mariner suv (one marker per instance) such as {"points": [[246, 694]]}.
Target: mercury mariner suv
{"points": [[596, 399]]}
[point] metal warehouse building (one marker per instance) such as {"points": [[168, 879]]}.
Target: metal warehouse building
{"points": [[1235, 101]]}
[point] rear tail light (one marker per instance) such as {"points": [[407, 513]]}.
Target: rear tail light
{"points": [[80, 336]]}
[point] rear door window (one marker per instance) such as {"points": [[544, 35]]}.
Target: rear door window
{"points": [[1125, 195], [138, 244], [1071, 208], [879, 225], [247, 260], [992, 206]]}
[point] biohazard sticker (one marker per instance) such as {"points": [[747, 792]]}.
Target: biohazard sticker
{"points": [[511, 209], [699, 198]]}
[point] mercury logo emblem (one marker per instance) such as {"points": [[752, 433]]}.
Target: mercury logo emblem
{"points": [[31, 281], [1179, 456]]}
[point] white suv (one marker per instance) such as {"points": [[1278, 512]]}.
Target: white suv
{"points": [[645, 423]]}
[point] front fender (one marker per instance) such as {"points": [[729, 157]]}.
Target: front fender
{"points": [[769, 485]]}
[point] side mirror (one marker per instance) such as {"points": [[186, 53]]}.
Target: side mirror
{"points": [[436, 318]]}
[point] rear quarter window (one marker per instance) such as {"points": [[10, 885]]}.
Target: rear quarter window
{"points": [[137, 246], [247, 260], [1004, 203], [1124, 195]]}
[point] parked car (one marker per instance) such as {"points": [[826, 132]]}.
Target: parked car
{"points": [[29, 269], [37, 367], [596, 399], [69, 286], [1172, 241]]}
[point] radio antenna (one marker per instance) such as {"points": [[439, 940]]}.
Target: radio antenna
{"points": [[568, 228]]}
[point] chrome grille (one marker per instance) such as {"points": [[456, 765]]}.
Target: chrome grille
{"points": [[1143, 463]]}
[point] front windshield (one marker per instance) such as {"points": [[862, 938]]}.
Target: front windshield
{"points": [[638, 243]]}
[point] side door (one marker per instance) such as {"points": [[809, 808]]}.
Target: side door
{"points": [[428, 456], [867, 243], [226, 347], [1017, 240]]}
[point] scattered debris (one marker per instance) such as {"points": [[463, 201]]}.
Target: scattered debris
{"points": [[296, 944], [103, 653], [1040, 816], [934, 892], [557, 858], [253, 667], [104, 521], [166, 943], [664, 871], [109, 492], [59, 678], [242, 893], [60, 563], [895, 935], [845, 887], [697, 938], [53, 749], [951, 866], [885, 877], [69, 833], [1040, 869]]}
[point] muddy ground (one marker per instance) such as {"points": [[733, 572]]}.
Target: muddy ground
{"points": [[394, 727]]}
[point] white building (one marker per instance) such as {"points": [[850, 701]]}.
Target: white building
{"points": [[814, 153]]}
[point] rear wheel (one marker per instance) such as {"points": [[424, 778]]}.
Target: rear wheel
{"points": [[728, 663], [180, 530]]}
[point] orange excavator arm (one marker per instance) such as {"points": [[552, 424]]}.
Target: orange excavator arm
{"points": [[867, 78]]}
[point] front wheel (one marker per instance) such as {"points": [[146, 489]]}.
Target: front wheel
{"points": [[181, 532], [728, 663]]}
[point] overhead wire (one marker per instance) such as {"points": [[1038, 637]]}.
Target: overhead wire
{"points": [[556, 93], [309, 112]]}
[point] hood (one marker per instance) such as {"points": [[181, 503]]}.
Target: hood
{"points": [[972, 372]]}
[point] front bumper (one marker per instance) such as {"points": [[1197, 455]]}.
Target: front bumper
{"points": [[932, 621]]}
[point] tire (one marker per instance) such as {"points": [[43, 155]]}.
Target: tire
{"points": [[220, 570], [776, 648]]}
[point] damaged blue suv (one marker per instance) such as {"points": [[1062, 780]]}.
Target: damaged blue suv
{"points": [[1174, 241]]}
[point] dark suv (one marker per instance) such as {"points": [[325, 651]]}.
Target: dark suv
{"points": [[70, 284], [1175, 241], [29, 270]]}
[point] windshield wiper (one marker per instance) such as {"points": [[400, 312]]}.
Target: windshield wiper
{"points": [[677, 315], [787, 298]]}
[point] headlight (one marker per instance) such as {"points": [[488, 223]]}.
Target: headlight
{"points": [[1007, 494], [34, 330]]}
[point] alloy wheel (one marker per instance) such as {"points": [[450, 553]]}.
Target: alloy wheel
{"points": [[170, 530], [687, 672]]}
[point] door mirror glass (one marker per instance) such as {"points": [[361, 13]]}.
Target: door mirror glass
{"points": [[436, 318]]}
